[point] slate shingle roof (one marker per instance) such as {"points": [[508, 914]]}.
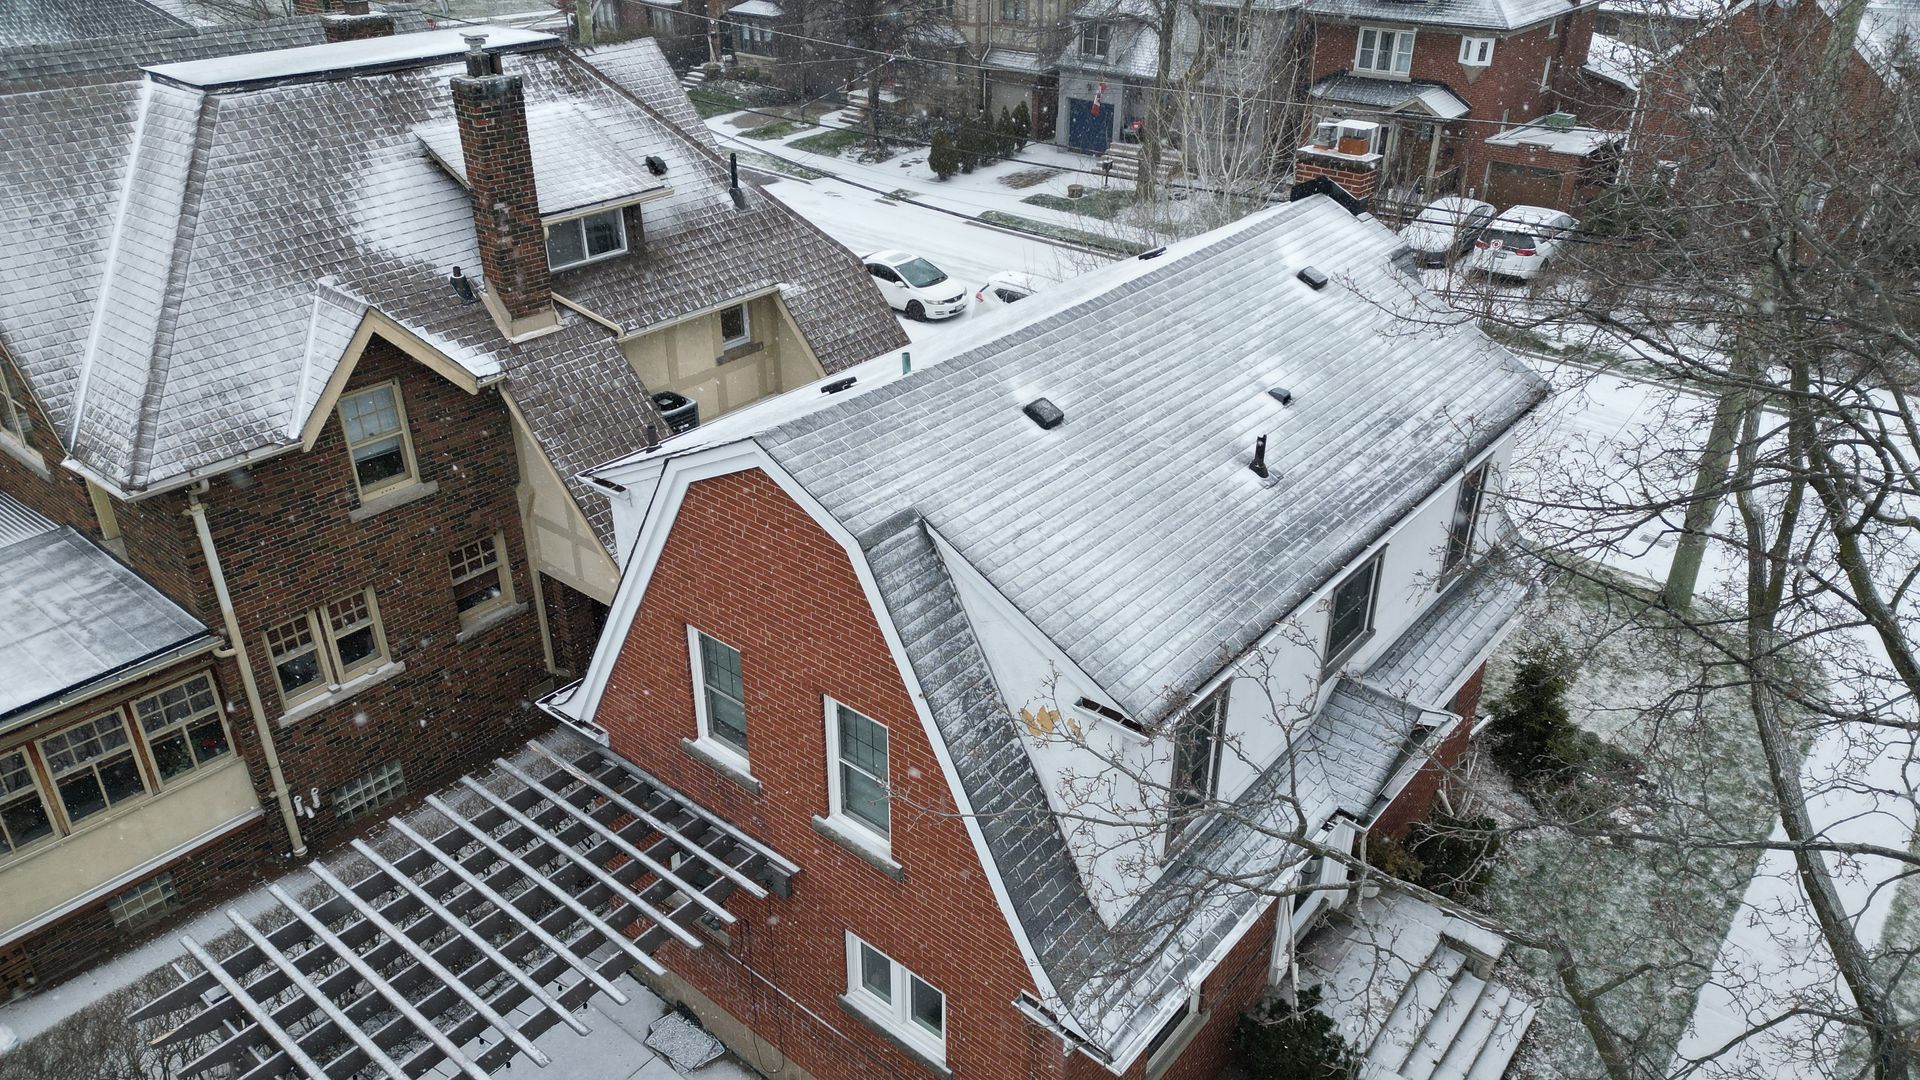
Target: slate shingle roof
{"points": [[50, 22], [167, 254], [1134, 535], [1464, 14], [1429, 656]]}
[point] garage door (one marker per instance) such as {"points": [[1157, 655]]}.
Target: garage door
{"points": [[1511, 185]]}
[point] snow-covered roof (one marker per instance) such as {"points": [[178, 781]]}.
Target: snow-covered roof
{"points": [[50, 22], [366, 54], [1616, 61], [573, 164], [1576, 141], [177, 265], [1390, 95], [765, 9], [75, 614], [1014, 60], [1470, 14], [1688, 10]]}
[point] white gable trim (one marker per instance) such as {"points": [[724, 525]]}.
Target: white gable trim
{"points": [[669, 493]]}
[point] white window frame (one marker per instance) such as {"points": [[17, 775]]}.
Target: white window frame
{"points": [[896, 1015], [215, 711], [467, 571], [370, 791], [1546, 74], [836, 804], [1458, 552], [745, 337], [408, 475], [1373, 565], [325, 641], [727, 752], [1377, 34], [148, 900], [579, 222], [1476, 51], [1100, 34]]}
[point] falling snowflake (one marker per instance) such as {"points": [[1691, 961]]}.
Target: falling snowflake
{"points": [[913, 773]]}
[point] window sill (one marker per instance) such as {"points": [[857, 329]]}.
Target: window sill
{"points": [[342, 693], [848, 835], [1169, 1053], [735, 352], [27, 455], [392, 499], [1346, 654], [722, 761], [885, 1031], [487, 621]]}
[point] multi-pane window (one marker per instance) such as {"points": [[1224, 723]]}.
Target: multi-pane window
{"points": [[1013, 10], [1196, 760], [93, 766], [184, 726], [1384, 52], [370, 791], [896, 998], [722, 691], [1223, 30], [154, 897], [858, 781], [13, 407], [735, 327], [322, 648], [1352, 614], [586, 238], [480, 583], [1466, 518], [1476, 51], [1094, 40], [23, 814], [375, 423]]}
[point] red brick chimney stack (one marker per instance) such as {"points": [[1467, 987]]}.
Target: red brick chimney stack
{"points": [[349, 20], [492, 113]]}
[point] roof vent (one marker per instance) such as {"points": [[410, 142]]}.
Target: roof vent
{"points": [[1045, 413], [838, 385], [462, 285], [655, 165], [733, 186], [1151, 253], [1259, 462], [1313, 277], [1281, 394]]}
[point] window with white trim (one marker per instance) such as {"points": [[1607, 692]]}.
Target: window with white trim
{"points": [[375, 423], [327, 646], [185, 726], [13, 408], [1476, 51], [1466, 518], [736, 327], [148, 900], [585, 239], [1383, 52], [719, 691], [481, 583], [896, 999], [857, 770], [23, 813], [93, 766], [1196, 760], [1095, 38], [370, 791], [1351, 618]]}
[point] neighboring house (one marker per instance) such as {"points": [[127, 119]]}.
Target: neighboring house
{"points": [[1020, 660], [318, 340], [56, 22], [1655, 25], [1016, 46]]}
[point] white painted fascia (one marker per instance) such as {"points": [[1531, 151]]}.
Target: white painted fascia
{"points": [[664, 506]]}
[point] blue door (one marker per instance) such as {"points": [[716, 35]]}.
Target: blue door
{"points": [[1085, 131]]}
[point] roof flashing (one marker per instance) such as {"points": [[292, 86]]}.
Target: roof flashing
{"points": [[342, 59]]}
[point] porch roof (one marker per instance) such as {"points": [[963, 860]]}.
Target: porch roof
{"points": [[1027, 63], [1391, 96], [463, 934], [1572, 141]]}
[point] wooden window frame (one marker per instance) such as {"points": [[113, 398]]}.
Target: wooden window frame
{"points": [[56, 774], [35, 789], [500, 565], [319, 623], [15, 421], [153, 737], [882, 833], [408, 475], [894, 1013]]}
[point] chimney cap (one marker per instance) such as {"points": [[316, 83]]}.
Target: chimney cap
{"points": [[476, 43]]}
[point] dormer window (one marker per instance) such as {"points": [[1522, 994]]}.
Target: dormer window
{"points": [[1094, 40], [585, 239]]}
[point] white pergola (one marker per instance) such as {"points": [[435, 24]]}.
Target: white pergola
{"points": [[470, 938]]}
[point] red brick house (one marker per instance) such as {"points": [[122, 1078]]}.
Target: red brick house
{"points": [[1048, 663], [316, 342]]}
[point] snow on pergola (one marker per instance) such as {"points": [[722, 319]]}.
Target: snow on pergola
{"points": [[473, 935]]}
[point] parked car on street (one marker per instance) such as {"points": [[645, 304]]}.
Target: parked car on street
{"points": [[915, 286], [1522, 242], [1006, 287], [1445, 228]]}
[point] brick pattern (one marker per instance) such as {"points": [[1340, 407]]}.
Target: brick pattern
{"points": [[747, 565], [1360, 179], [356, 26], [492, 115], [1416, 799], [575, 620]]}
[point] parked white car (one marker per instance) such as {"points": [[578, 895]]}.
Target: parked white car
{"points": [[1006, 287], [1522, 241], [915, 286], [1445, 228]]}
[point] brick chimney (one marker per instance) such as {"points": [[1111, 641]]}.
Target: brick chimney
{"points": [[349, 20], [1344, 152], [492, 113]]}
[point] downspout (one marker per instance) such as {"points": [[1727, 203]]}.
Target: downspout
{"points": [[261, 726]]}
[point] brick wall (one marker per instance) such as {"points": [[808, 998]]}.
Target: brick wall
{"points": [[1416, 799], [747, 565], [492, 114], [59, 493]]}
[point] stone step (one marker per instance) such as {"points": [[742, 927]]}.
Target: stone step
{"points": [[1498, 1053], [1474, 1035], [1400, 1035], [1463, 997], [1371, 975]]}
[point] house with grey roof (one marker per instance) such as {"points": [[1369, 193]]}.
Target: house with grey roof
{"points": [[319, 339], [1068, 664]]}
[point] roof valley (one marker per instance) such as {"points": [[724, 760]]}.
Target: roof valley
{"points": [[137, 142]]}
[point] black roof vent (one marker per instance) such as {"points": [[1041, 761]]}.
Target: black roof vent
{"points": [[462, 285], [1314, 278], [655, 165], [1151, 253], [1281, 394], [838, 385], [1259, 462], [1045, 413], [733, 187]]}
